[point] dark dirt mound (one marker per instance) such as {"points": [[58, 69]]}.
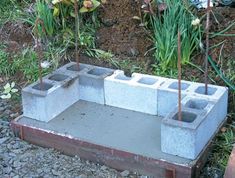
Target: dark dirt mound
{"points": [[120, 33], [16, 36]]}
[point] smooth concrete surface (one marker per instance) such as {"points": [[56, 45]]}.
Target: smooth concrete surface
{"points": [[113, 127]]}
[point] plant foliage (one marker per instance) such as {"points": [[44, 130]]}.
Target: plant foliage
{"points": [[177, 16]]}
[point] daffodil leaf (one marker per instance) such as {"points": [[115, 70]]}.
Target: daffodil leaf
{"points": [[83, 10]]}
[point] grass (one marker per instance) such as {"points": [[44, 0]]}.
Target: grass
{"points": [[25, 62]]}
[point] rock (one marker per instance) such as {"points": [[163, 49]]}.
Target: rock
{"points": [[2, 108], [133, 52], [14, 115], [125, 173], [55, 173], [2, 140], [109, 22], [103, 168], [82, 176]]}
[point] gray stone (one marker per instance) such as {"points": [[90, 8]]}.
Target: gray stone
{"points": [[2, 140], [125, 173], [82, 176]]}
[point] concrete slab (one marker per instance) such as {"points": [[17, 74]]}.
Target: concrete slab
{"points": [[113, 127]]}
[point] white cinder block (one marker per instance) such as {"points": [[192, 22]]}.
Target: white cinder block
{"points": [[55, 97], [137, 93], [168, 95]]}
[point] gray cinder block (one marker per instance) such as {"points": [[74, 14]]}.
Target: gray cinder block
{"points": [[188, 137], [59, 91], [218, 94], [137, 93], [91, 84], [91, 80], [72, 68], [168, 95]]}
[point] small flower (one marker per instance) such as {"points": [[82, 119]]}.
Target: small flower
{"points": [[196, 22], [45, 64], [88, 4]]}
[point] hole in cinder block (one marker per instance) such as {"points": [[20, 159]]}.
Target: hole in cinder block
{"points": [[99, 71], [174, 85], [123, 77], [197, 104], [186, 117], [58, 77], [74, 67], [201, 90], [43, 87], [147, 81]]}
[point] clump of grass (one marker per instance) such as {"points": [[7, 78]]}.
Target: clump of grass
{"points": [[176, 17], [222, 147], [25, 62], [6, 67]]}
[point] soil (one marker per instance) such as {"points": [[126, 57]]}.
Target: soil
{"points": [[16, 36], [120, 33]]}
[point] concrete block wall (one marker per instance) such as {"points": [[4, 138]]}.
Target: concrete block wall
{"points": [[138, 92]]}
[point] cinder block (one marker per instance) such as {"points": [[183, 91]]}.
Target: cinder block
{"points": [[72, 68], [188, 137], [91, 84], [59, 91], [168, 95], [137, 93], [218, 94]]}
